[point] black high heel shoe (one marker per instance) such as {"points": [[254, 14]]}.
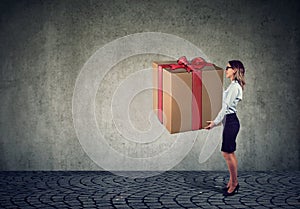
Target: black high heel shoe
{"points": [[236, 190]]}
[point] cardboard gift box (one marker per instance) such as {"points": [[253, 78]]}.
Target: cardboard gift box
{"points": [[184, 100]]}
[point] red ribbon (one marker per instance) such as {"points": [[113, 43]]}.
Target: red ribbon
{"points": [[195, 67]]}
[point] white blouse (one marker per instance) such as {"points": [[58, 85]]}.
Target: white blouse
{"points": [[231, 96]]}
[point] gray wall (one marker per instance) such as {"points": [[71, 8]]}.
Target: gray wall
{"points": [[45, 44]]}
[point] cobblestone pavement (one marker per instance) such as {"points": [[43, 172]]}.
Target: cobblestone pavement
{"points": [[172, 189]]}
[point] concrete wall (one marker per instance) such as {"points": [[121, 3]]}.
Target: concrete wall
{"points": [[45, 44]]}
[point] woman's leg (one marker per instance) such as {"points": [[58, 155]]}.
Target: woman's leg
{"points": [[232, 167], [225, 155]]}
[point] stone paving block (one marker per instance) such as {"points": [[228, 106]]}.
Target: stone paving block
{"points": [[239, 206], [104, 205], [72, 202], [210, 207], [139, 206], [122, 207], [172, 189]]}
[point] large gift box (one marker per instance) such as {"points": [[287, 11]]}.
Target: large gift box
{"points": [[186, 97]]}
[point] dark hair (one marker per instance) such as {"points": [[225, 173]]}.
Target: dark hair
{"points": [[240, 73]]}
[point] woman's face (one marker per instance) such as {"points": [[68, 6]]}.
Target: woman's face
{"points": [[229, 72]]}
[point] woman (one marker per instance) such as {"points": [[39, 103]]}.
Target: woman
{"points": [[234, 93]]}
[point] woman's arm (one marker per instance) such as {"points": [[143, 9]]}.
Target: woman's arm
{"points": [[228, 100]]}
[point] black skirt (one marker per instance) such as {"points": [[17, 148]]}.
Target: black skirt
{"points": [[231, 128]]}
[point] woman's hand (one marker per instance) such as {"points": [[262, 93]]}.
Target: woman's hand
{"points": [[211, 125]]}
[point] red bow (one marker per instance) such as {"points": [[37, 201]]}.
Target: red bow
{"points": [[196, 64]]}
